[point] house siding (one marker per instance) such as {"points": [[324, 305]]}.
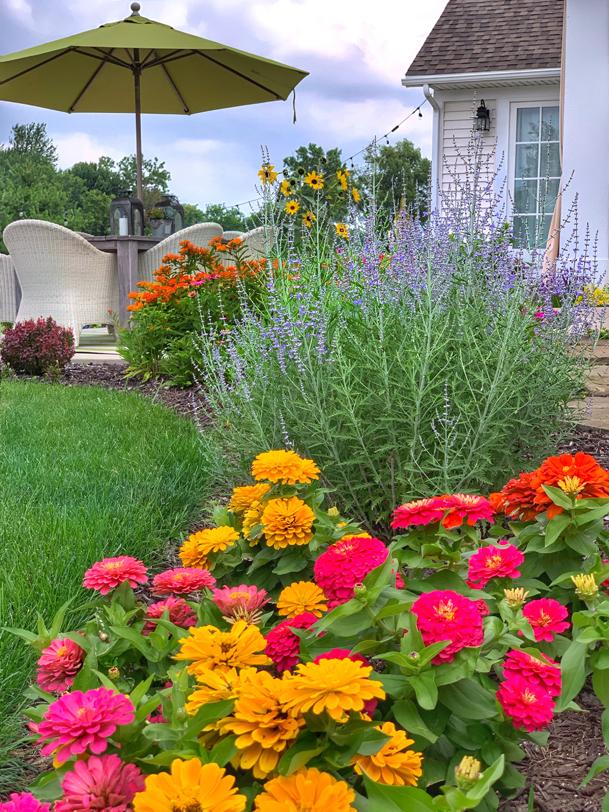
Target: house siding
{"points": [[456, 128]]}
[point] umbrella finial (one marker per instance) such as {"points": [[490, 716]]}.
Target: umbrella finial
{"points": [[135, 8]]}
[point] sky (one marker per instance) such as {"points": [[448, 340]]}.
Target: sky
{"points": [[356, 53]]}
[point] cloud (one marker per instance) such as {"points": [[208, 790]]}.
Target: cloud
{"points": [[80, 146], [21, 11]]}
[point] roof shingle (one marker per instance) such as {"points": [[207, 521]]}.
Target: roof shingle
{"points": [[474, 36]]}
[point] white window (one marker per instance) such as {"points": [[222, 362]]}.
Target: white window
{"points": [[536, 172]]}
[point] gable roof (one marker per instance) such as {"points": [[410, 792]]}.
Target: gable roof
{"points": [[476, 36]]}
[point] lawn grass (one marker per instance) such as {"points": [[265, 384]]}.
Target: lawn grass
{"points": [[84, 473]]}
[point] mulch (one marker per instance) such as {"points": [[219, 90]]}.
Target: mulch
{"points": [[555, 772]]}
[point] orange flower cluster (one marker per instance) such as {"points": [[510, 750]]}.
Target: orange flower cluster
{"points": [[182, 274], [577, 475]]}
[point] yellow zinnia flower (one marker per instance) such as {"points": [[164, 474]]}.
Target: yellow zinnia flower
{"points": [[585, 585], [208, 647], [292, 207], [286, 188], [216, 686], [315, 180], [343, 179], [244, 497], [199, 546], [251, 518], [190, 786], [356, 195], [394, 763], [515, 598], [287, 522], [284, 467], [467, 772], [263, 728], [308, 218], [308, 789], [336, 687], [342, 231], [267, 173], [301, 596]]}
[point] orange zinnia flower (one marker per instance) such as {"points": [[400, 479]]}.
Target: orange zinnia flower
{"points": [[578, 475]]}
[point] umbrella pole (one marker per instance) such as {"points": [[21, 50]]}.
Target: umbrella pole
{"points": [[138, 125]]}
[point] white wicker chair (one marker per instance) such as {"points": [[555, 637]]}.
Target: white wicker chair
{"points": [[259, 242], [231, 235], [10, 293], [61, 275], [199, 234]]}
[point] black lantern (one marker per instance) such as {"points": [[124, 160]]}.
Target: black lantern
{"points": [[127, 216], [482, 119], [166, 217]]}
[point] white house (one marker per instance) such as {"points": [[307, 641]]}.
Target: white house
{"points": [[542, 69]]}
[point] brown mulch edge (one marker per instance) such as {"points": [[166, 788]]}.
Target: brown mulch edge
{"points": [[554, 772]]}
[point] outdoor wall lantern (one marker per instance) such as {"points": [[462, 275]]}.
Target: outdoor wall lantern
{"points": [[166, 217], [482, 119], [127, 216]]}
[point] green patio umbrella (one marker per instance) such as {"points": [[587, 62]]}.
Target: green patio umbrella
{"points": [[140, 66]]}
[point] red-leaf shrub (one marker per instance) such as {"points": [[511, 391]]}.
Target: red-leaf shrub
{"points": [[34, 347]]}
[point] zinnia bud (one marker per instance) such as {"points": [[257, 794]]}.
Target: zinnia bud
{"points": [[585, 585], [333, 511], [359, 590], [467, 772], [515, 598], [103, 637], [114, 673]]}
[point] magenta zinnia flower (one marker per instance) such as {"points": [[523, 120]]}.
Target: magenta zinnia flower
{"points": [[467, 508], [241, 601], [182, 581], [547, 618], [345, 564], [180, 613], [446, 615], [23, 802], [58, 665], [83, 722], [541, 671], [421, 512], [106, 575], [529, 706], [282, 645], [103, 783], [494, 562]]}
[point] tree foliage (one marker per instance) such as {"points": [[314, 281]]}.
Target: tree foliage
{"points": [[398, 174]]}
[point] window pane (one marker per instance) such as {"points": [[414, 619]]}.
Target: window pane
{"points": [[526, 160], [548, 192], [525, 196], [527, 124], [550, 161], [549, 124], [525, 231]]}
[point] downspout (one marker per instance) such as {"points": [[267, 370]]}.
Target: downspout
{"points": [[435, 146]]}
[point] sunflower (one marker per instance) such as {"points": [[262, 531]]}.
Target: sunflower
{"points": [[308, 218], [308, 789], [207, 647], [343, 179], [190, 786], [284, 467], [244, 497], [286, 188], [199, 546], [355, 195], [301, 596], [262, 727], [342, 231], [267, 173], [292, 207], [335, 686], [315, 180], [394, 763], [287, 523]]}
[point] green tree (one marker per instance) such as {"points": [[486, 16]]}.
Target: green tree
{"points": [[229, 217], [398, 174], [155, 178]]}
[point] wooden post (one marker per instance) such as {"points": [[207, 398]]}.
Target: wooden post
{"points": [[128, 275]]}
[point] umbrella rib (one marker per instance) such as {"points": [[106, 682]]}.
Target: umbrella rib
{"points": [[175, 87], [160, 60], [106, 57], [239, 74], [34, 67], [89, 83]]}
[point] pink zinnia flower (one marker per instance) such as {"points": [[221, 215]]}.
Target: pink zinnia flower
{"points": [[282, 645], [466, 508], [180, 613], [102, 783], [83, 722], [345, 564], [106, 575], [446, 615], [24, 802], [346, 654], [541, 671], [420, 512], [240, 602], [529, 706], [547, 618], [494, 562], [182, 581], [58, 665]]}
